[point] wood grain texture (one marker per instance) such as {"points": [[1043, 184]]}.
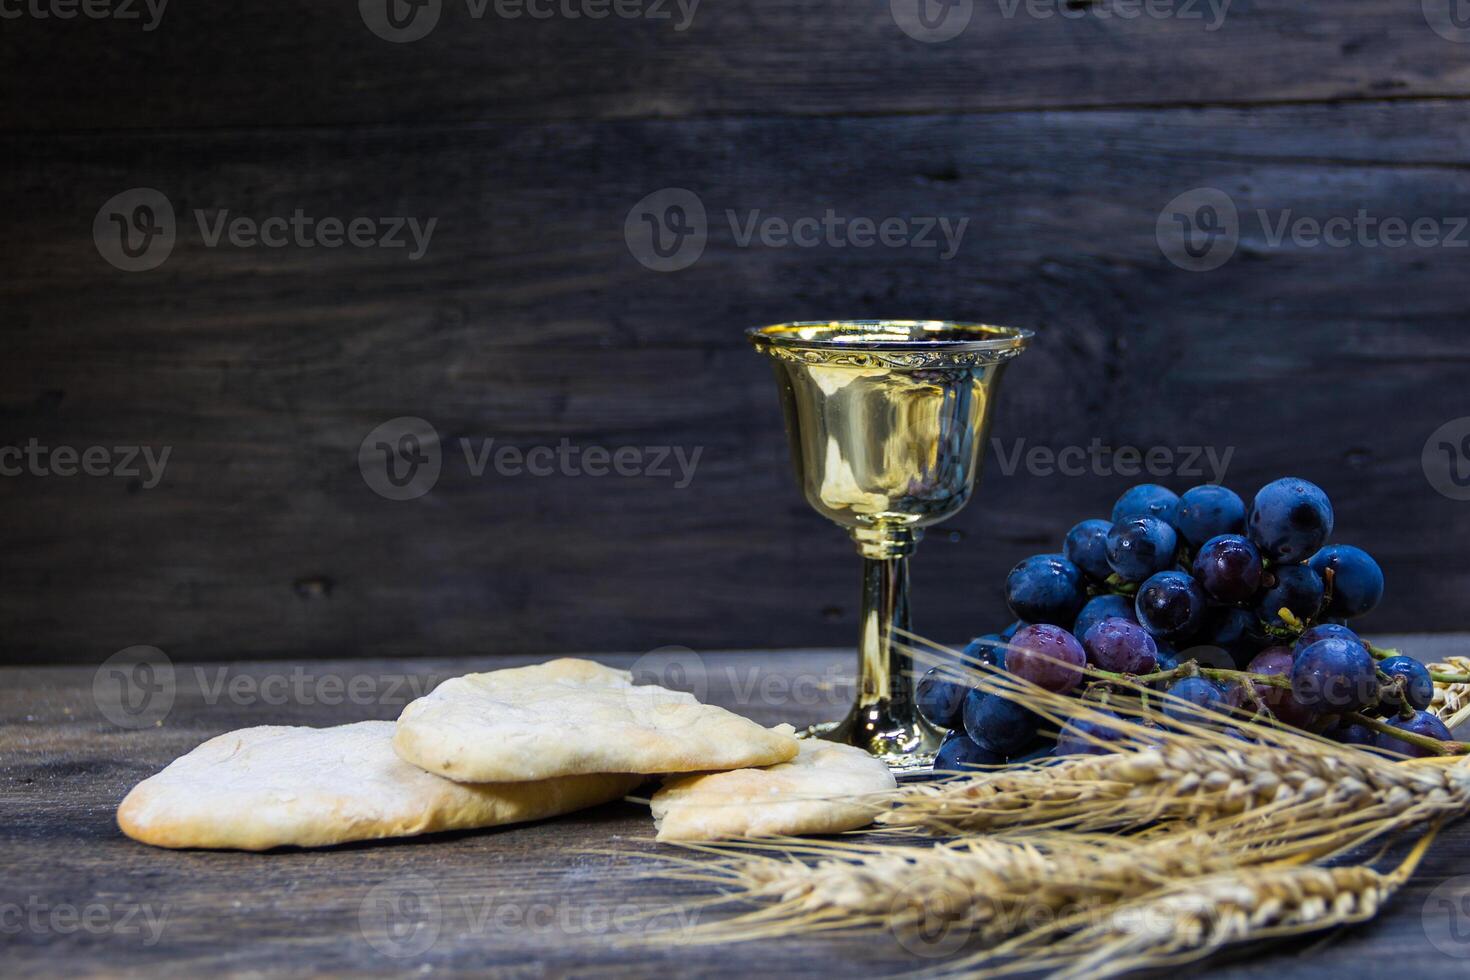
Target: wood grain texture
{"points": [[529, 321], [545, 899], [285, 64]]}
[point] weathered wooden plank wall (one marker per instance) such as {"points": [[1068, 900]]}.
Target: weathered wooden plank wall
{"points": [[1059, 140]]}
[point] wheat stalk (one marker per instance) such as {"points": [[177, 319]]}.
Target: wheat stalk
{"points": [[1186, 922], [984, 886], [1451, 701], [1195, 770], [1219, 838], [1183, 780]]}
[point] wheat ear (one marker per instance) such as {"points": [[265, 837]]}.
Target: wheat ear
{"points": [[1451, 701], [1189, 921]]}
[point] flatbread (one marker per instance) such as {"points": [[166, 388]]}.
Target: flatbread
{"points": [[570, 716], [265, 787], [826, 789]]}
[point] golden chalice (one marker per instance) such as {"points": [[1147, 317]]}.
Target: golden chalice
{"points": [[887, 423]]}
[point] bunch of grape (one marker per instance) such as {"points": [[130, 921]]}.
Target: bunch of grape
{"points": [[1193, 595]]}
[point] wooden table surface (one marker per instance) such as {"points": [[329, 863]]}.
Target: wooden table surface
{"points": [[547, 899]]}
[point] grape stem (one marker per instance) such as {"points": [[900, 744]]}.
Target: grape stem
{"points": [[1192, 669], [1425, 742]]}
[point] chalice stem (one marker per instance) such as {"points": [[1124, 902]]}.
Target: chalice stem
{"points": [[885, 670]]}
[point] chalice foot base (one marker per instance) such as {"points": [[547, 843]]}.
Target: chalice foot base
{"points": [[904, 746]]}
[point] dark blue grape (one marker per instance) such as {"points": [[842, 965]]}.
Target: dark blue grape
{"points": [[1086, 547], [1040, 750], [1170, 604], [1233, 630], [1103, 607], [1047, 656], [1357, 581], [1351, 734], [1141, 546], [1296, 588], [1088, 736], [940, 698], [1423, 723], [1046, 589], [1121, 646], [1326, 631], [1290, 520], [1278, 662], [989, 649], [1198, 692], [1013, 629], [998, 724], [959, 752], [1229, 568], [1147, 500], [1418, 686], [1207, 511], [1334, 676], [1167, 658]]}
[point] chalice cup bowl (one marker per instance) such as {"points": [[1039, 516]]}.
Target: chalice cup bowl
{"points": [[886, 421]]}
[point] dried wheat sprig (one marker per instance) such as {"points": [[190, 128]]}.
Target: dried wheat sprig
{"points": [[983, 885], [1451, 701], [1179, 781], [1188, 921], [1193, 772]]}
